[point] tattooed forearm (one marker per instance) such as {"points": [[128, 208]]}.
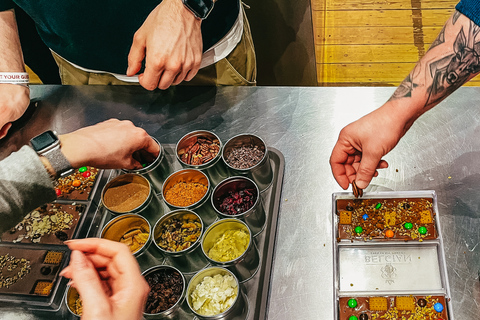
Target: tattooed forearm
{"points": [[452, 59], [450, 72]]}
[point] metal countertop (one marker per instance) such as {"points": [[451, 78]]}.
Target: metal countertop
{"points": [[441, 152]]}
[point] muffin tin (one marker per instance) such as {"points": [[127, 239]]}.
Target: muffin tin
{"points": [[390, 270], [254, 291]]}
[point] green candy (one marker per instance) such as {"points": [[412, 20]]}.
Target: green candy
{"points": [[422, 230], [358, 229], [378, 206], [408, 225], [82, 169], [352, 318], [352, 303]]}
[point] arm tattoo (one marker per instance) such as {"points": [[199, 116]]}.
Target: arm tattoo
{"points": [[452, 71], [440, 39], [405, 89]]}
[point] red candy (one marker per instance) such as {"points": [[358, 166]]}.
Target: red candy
{"points": [[86, 174], [58, 192]]}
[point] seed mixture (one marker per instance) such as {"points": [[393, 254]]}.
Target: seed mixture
{"points": [[46, 220], [178, 234], [12, 269]]}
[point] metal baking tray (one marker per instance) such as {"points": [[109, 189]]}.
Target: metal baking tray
{"points": [[256, 290], [361, 268]]}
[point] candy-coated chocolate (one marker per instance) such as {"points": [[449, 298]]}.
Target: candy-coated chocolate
{"points": [[358, 229], [408, 225], [352, 318], [86, 174], [76, 183], [352, 303], [378, 206], [389, 234], [58, 192], [422, 302], [82, 169], [365, 216], [422, 230], [438, 307]]}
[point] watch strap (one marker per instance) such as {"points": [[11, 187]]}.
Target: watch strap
{"points": [[58, 162]]}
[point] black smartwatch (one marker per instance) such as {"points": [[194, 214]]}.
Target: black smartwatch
{"points": [[200, 8], [47, 145]]}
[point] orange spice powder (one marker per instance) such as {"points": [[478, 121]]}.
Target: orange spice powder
{"points": [[184, 194]]}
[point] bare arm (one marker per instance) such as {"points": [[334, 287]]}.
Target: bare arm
{"points": [[14, 99], [452, 60]]}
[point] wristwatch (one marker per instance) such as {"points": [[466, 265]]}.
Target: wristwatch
{"points": [[200, 8], [48, 145]]}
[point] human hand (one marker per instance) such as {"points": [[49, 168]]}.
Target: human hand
{"points": [[170, 41], [108, 145], [108, 279], [361, 145], [14, 100]]}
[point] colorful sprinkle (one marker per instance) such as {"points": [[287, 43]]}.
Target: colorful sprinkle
{"points": [[352, 303], [422, 230], [408, 225], [358, 229], [82, 169]]}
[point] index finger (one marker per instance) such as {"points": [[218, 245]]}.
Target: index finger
{"points": [[119, 253]]}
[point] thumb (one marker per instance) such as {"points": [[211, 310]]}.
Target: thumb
{"points": [[88, 284], [366, 170]]}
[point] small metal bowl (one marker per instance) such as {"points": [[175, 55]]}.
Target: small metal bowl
{"points": [[71, 296], [246, 264], [201, 206], [260, 172], [214, 168], [236, 310], [255, 217], [190, 259], [116, 228], [156, 171], [170, 312]]}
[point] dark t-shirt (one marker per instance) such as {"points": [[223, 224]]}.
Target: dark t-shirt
{"points": [[471, 9], [97, 34]]}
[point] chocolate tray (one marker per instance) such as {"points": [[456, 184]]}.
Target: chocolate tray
{"points": [[386, 268], [256, 290]]}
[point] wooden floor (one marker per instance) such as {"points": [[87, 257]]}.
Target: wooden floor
{"points": [[374, 42]]}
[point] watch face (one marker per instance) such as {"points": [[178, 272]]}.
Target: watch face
{"points": [[43, 141], [201, 8]]}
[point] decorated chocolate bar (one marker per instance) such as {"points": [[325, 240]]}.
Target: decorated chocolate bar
{"points": [[386, 219]]}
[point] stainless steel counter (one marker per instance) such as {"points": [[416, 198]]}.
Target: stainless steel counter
{"points": [[441, 152]]}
